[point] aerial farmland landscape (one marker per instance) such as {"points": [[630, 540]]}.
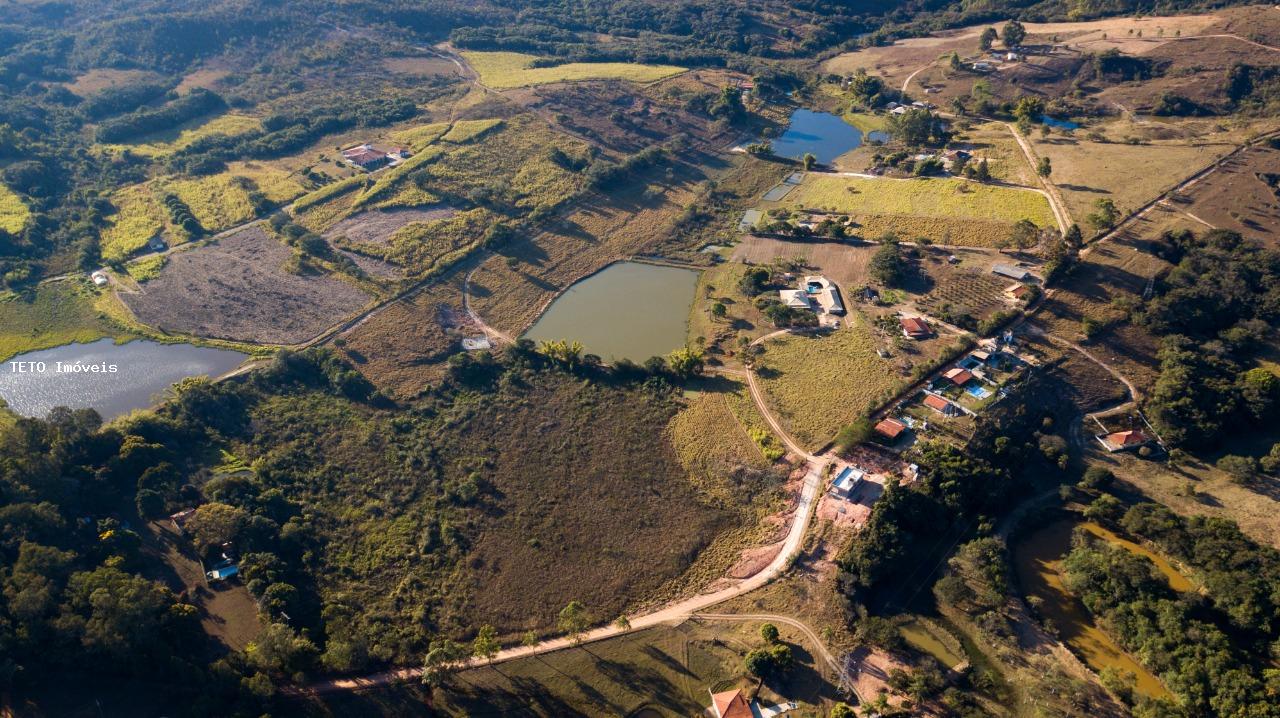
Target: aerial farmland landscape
{"points": [[639, 358]]}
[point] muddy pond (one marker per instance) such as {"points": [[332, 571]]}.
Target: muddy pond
{"points": [[628, 310], [31, 384], [822, 134], [1037, 559]]}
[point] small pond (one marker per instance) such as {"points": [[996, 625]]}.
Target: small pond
{"points": [[628, 310], [1037, 561], [1060, 124], [824, 135], [143, 369]]}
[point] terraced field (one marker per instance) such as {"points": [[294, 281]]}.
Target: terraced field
{"points": [[505, 70]]}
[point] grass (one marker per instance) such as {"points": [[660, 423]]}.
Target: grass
{"points": [[711, 442], [468, 130], [51, 315], [945, 231], [416, 138], [146, 269], [505, 70], [817, 384], [421, 246], [218, 202], [866, 121], [13, 212], [330, 191], [952, 198], [1129, 175], [162, 144]]}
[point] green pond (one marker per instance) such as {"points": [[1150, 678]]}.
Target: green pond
{"points": [[922, 638], [628, 310], [1037, 559]]}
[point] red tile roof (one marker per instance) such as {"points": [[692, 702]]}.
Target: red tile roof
{"points": [[730, 704], [914, 326], [890, 428], [958, 376], [933, 401], [1133, 437]]}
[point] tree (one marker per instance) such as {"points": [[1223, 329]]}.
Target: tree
{"points": [[485, 644], [808, 161], [685, 362], [887, 265], [278, 649], [214, 524], [987, 37], [853, 434], [529, 639], [1097, 477], [574, 622], [1025, 234], [842, 710], [1241, 469], [719, 310], [1105, 509], [1029, 109], [1013, 34], [1104, 214], [983, 172], [441, 662], [954, 60], [769, 633], [1044, 168], [622, 623]]}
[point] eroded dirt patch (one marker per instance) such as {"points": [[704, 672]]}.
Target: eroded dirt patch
{"points": [[377, 226], [237, 288]]}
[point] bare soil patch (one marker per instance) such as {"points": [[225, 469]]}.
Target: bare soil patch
{"points": [[377, 226], [1241, 194], [236, 288]]}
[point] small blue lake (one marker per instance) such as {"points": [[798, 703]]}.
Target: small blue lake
{"points": [[142, 371], [1060, 124], [822, 134]]}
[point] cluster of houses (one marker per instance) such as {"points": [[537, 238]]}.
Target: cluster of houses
{"points": [[369, 158]]}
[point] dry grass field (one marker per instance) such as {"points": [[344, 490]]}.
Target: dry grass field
{"points": [[505, 70], [946, 198], [1238, 196], [237, 289], [817, 384], [402, 347], [99, 79], [1129, 175]]}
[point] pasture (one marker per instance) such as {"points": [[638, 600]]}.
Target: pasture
{"points": [[1128, 175], [506, 70], [1238, 195], [818, 383], [952, 198]]}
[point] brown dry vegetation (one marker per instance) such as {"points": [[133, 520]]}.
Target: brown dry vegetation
{"points": [[1129, 175], [1114, 271], [402, 347], [237, 288], [1236, 196]]}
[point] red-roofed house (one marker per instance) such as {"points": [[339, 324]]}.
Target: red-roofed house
{"points": [[890, 428], [365, 156], [730, 704], [1122, 440], [914, 328], [958, 376], [940, 405]]}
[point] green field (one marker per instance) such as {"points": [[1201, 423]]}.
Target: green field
{"points": [[165, 143], [218, 202], [13, 213], [951, 198], [51, 315], [505, 70], [147, 269]]}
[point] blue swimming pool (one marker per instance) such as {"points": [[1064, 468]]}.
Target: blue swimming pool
{"points": [[977, 392]]}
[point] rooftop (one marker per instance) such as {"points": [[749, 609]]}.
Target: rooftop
{"points": [[890, 428]]}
